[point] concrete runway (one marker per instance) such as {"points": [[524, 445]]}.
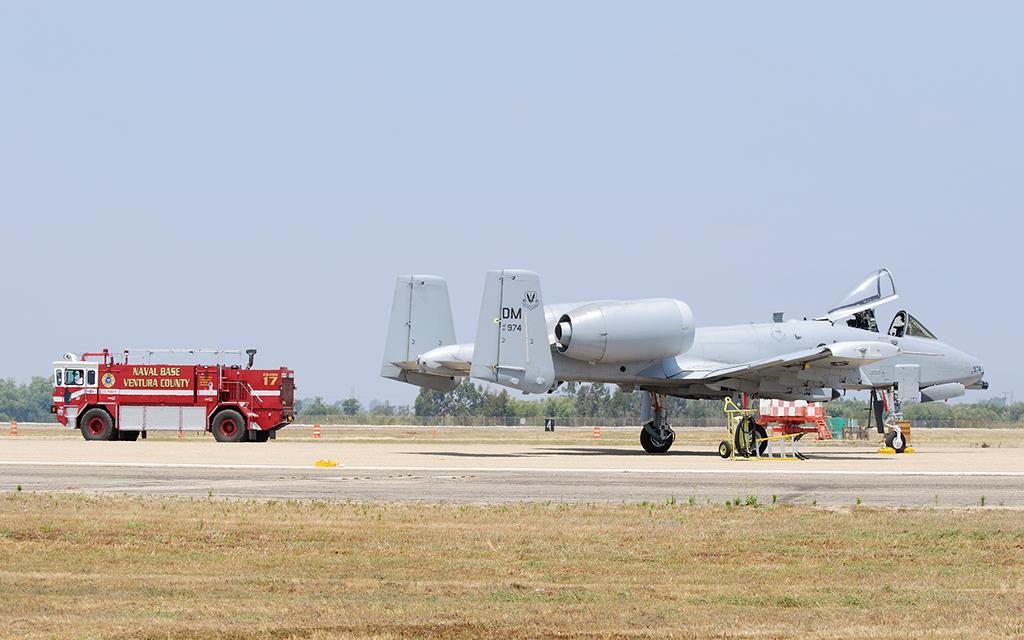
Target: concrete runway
{"points": [[485, 473]]}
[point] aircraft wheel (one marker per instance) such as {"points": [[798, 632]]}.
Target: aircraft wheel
{"points": [[228, 426], [725, 449], [127, 436], [898, 445], [656, 445], [97, 425]]}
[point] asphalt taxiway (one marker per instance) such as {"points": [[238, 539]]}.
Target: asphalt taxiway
{"points": [[485, 473]]}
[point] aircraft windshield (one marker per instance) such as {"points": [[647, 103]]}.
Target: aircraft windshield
{"points": [[905, 324], [876, 289]]}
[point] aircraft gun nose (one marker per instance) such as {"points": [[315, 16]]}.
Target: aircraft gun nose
{"points": [[975, 370]]}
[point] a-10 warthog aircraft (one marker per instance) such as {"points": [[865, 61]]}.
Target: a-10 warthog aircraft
{"points": [[653, 346]]}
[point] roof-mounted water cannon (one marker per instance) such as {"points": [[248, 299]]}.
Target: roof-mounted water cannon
{"points": [[252, 354]]}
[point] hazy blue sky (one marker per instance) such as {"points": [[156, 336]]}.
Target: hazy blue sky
{"points": [[254, 174]]}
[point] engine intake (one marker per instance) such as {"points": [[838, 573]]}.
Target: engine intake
{"points": [[626, 331]]}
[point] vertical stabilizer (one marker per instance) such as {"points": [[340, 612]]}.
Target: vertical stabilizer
{"points": [[421, 320], [512, 346]]}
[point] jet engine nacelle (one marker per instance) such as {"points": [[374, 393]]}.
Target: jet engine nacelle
{"points": [[627, 331]]}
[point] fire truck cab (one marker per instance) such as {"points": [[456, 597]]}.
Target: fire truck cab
{"points": [[108, 400]]}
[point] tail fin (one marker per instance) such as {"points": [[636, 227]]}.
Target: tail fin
{"points": [[512, 336], [421, 320]]}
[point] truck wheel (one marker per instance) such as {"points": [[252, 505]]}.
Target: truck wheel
{"points": [[259, 436], [127, 436], [96, 424], [228, 426]]}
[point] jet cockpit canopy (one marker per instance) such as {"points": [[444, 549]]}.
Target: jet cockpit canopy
{"points": [[875, 290], [904, 324]]}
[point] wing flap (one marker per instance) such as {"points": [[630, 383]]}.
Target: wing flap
{"points": [[835, 355]]}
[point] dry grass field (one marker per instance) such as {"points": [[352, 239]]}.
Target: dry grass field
{"points": [[74, 566]]}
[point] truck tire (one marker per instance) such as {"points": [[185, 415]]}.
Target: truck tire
{"points": [[228, 426], [259, 436], [127, 436], [96, 424]]}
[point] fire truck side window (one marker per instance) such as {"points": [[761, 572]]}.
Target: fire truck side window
{"points": [[90, 377], [74, 377], [58, 377]]}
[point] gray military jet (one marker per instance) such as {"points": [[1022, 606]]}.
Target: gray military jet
{"points": [[654, 347]]}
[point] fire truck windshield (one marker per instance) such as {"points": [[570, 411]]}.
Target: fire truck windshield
{"points": [[74, 377]]}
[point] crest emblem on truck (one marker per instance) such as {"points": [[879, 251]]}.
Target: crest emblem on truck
{"points": [[108, 380]]}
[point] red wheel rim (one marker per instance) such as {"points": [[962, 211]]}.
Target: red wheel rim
{"points": [[96, 426], [228, 427]]}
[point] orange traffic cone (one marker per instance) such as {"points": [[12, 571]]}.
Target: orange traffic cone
{"points": [[316, 431], [14, 428], [597, 432]]}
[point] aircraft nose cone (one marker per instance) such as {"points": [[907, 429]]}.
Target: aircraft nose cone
{"points": [[975, 370]]}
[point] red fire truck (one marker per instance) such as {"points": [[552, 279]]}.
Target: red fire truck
{"points": [[110, 400]]}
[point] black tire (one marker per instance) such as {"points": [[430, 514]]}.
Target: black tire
{"points": [[96, 424], [762, 444], [744, 437], [127, 436], [724, 449], [890, 441], [259, 436], [228, 426], [650, 446], [749, 439]]}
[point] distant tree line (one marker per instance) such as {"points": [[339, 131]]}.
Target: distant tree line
{"points": [[349, 407], [30, 402], [472, 400], [991, 410], [26, 402], [583, 401]]}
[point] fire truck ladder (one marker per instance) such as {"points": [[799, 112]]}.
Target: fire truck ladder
{"points": [[148, 353]]}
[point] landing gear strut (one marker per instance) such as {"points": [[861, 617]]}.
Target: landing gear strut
{"points": [[895, 439], [656, 436]]}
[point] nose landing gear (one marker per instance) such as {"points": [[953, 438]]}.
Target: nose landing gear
{"points": [[895, 440], [895, 428]]}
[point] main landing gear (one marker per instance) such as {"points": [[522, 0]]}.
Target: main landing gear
{"points": [[656, 436]]}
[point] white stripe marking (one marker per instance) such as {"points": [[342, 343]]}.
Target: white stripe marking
{"points": [[589, 470]]}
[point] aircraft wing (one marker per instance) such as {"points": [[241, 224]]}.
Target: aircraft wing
{"points": [[835, 355]]}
